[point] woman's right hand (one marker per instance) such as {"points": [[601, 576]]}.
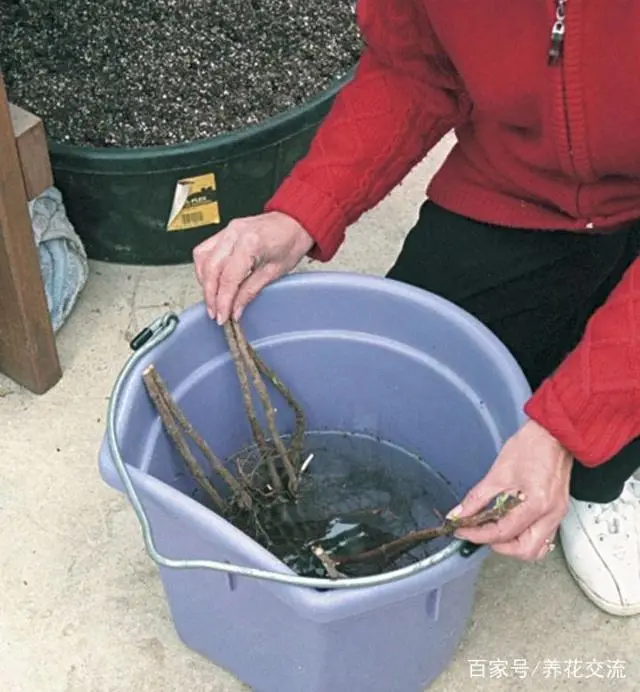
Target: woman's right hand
{"points": [[234, 265]]}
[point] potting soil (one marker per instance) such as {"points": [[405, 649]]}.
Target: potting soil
{"points": [[356, 494], [130, 73]]}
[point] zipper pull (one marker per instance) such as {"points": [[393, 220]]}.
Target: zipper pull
{"points": [[557, 33]]}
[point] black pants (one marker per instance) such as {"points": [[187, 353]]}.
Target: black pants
{"points": [[534, 289]]}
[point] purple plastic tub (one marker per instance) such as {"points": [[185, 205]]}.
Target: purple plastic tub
{"points": [[365, 355]]}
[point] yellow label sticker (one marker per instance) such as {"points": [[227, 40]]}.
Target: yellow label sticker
{"points": [[194, 203]]}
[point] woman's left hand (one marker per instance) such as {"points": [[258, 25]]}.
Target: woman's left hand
{"points": [[534, 463]]}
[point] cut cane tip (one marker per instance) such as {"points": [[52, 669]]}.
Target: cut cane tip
{"points": [[510, 495], [306, 464]]}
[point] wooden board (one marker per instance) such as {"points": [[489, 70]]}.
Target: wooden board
{"points": [[28, 353], [33, 152]]}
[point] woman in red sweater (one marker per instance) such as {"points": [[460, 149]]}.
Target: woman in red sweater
{"points": [[531, 225]]}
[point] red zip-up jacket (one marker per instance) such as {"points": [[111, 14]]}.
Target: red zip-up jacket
{"points": [[539, 145]]}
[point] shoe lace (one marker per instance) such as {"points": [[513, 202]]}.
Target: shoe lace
{"points": [[633, 488], [614, 514]]}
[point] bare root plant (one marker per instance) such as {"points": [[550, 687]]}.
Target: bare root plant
{"points": [[265, 476]]}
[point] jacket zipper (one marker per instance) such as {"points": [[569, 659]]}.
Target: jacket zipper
{"points": [[558, 31]]}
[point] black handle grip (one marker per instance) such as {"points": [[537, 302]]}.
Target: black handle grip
{"points": [[468, 548]]}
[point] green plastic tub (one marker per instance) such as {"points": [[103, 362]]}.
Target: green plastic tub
{"points": [[153, 205]]}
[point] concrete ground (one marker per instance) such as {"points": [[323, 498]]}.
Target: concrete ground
{"points": [[82, 608]]}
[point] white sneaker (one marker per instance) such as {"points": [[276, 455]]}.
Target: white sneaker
{"points": [[601, 544]]}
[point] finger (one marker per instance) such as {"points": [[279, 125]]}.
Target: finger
{"points": [[236, 269], [533, 544], [212, 266], [202, 251], [250, 288], [479, 497], [516, 522], [519, 550]]}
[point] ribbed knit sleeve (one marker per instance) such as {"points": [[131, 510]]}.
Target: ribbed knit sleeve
{"points": [[403, 99], [591, 404]]}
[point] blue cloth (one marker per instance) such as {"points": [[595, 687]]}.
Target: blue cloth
{"points": [[63, 260]]}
